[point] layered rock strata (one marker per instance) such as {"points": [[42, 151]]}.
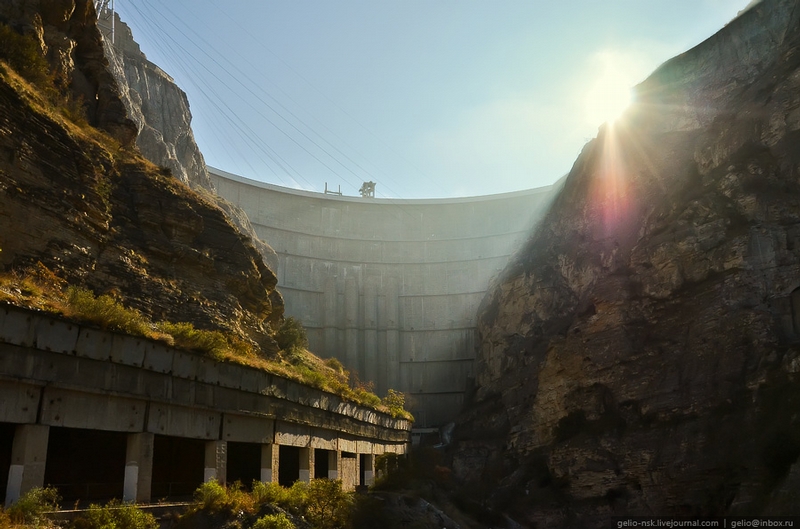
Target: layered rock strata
{"points": [[67, 34], [641, 353], [104, 217]]}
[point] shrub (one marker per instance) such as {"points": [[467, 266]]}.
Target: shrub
{"points": [[327, 506], [25, 56], [395, 402], [335, 364], [291, 335], [114, 516], [273, 521], [106, 312], [29, 509], [269, 493], [213, 343], [211, 496]]}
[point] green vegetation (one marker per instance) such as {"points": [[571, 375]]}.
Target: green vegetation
{"points": [[115, 515], [292, 336], [273, 521], [39, 288], [321, 503], [24, 54], [30, 508]]}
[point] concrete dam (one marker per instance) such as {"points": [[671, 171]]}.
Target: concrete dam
{"points": [[390, 287]]}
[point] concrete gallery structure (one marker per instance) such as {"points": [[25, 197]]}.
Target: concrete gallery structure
{"points": [[101, 415], [390, 287]]}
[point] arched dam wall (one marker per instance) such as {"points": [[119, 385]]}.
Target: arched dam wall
{"points": [[390, 287]]}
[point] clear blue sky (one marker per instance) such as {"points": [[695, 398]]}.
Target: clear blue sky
{"points": [[434, 98]]}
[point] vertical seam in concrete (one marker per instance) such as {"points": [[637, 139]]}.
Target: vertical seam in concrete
{"points": [[40, 404], [146, 415]]}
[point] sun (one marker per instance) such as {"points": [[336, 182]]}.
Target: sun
{"points": [[609, 94]]}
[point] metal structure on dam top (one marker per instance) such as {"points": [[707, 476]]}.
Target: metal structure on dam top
{"points": [[390, 287]]}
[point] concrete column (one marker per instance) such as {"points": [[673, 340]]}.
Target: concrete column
{"points": [[269, 463], [216, 461], [371, 331], [306, 464], [138, 468], [334, 458], [369, 469], [28, 458], [393, 334], [330, 317], [351, 325]]}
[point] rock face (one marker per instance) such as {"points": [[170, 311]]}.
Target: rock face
{"points": [[161, 112], [67, 33], [159, 108], [641, 353], [110, 220]]}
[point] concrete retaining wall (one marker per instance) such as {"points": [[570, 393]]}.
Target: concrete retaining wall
{"points": [[57, 373]]}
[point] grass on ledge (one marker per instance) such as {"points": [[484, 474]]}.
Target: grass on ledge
{"points": [[39, 288]]}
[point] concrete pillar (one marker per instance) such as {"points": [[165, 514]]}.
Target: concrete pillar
{"points": [[28, 458], [371, 331], [351, 325], [269, 463], [216, 461], [334, 458], [368, 460], [306, 464], [138, 468]]}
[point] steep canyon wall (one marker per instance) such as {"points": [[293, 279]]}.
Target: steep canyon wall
{"points": [[641, 354]]}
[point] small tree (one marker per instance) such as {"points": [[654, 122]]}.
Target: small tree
{"points": [[292, 336]]}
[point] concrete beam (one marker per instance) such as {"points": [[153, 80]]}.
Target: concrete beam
{"points": [[76, 409], [20, 402], [247, 428], [325, 439], [289, 434], [179, 421]]}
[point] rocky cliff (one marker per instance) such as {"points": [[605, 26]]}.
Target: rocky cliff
{"points": [[67, 35], [641, 353], [99, 214], [163, 118]]}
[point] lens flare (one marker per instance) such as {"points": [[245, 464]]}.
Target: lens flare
{"points": [[609, 94]]}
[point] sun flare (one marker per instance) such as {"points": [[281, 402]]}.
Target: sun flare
{"points": [[610, 93]]}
